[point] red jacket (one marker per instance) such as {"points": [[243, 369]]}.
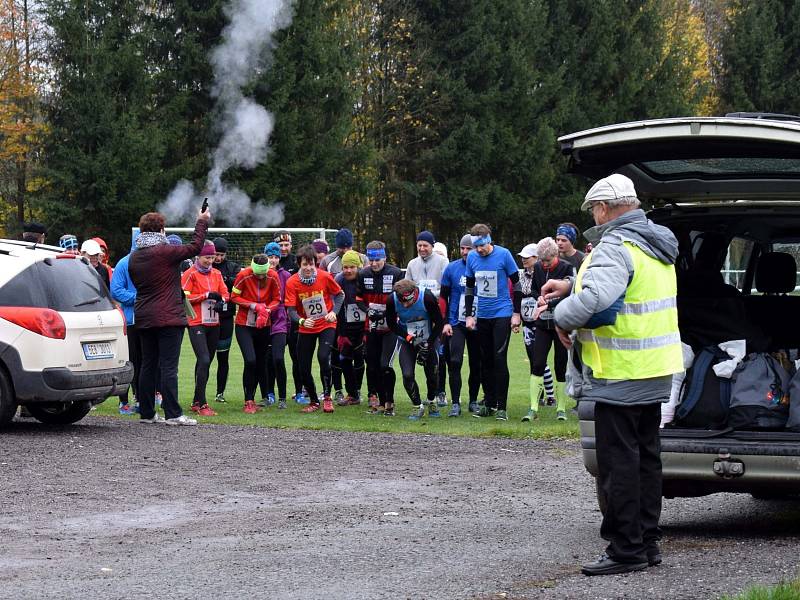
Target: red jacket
{"points": [[248, 290], [196, 286], [155, 271]]}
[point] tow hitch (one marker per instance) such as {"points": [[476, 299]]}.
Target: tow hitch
{"points": [[727, 467]]}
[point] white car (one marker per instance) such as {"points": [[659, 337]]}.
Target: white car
{"points": [[63, 343]]}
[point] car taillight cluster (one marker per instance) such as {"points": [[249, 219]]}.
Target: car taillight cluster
{"points": [[44, 321]]}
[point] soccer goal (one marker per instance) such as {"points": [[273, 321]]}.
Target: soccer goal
{"points": [[244, 242]]}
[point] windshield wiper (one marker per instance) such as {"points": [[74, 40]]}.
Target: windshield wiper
{"points": [[93, 300]]}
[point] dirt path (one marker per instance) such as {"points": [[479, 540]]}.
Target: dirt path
{"points": [[114, 509]]}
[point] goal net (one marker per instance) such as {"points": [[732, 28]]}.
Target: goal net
{"points": [[244, 242]]}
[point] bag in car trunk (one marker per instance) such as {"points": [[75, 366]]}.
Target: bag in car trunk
{"points": [[759, 394]]}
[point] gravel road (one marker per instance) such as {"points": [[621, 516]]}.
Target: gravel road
{"points": [[114, 509]]}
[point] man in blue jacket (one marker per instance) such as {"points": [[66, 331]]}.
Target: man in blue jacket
{"points": [[124, 293]]}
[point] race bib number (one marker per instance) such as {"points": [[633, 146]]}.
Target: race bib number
{"points": [[354, 314], [421, 330], [486, 282], [207, 313], [429, 284], [462, 308], [314, 307], [378, 325], [388, 283], [528, 308]]}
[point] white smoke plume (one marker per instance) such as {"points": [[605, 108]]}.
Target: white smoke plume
{"points": [[246, 126]]}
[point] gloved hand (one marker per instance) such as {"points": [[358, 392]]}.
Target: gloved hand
{"points": [[375, 315], [262, 316], [422, 353], [219, 306], [214, 296]]}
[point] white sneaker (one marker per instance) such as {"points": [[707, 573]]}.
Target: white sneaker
{"points": [[182, 420], [157, 418]]}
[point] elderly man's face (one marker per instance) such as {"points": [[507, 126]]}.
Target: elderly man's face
{"points": [[424, 249]]}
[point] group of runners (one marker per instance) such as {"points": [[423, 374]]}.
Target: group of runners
{"points": [[358, 314]]}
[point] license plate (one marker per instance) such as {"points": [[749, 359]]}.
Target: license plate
{"points": [[97, 350]]}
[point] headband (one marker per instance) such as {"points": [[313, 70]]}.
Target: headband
{"points": [[482, 240], [376, 253], [568, 232], [259, 269]]}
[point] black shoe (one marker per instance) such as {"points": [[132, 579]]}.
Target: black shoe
{"points": [[653, 556], [608, 566]]}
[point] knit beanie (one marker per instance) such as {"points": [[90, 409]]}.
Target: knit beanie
{"points": [[208, 249], [351, 258], [221, 244], [320, 246], [344, 238], [272, 249], [426, 236], [175, 239], [466, 241]]}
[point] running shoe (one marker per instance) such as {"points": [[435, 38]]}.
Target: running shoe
{"points": [[301, 398], [182, 420], [531, 415], [473, 407], [374, 405], [327, 404], [561, 415], [250, 407], [312, 407], [485, 411], [455, 410], [282, 404], [389, 410], [220, 398], [195, 408], [338, 397], [125, 409], [501, 415], [206, 411], [433, 409], [441, 399], [551, 401], [268, 401], [417, 413], [156, 418]]}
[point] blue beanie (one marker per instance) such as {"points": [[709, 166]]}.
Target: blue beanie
{"points": [[426, 236], [272, 249], [344, 238], [175, 239]]}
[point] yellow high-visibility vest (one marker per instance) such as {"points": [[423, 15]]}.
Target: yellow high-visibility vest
{"points": [[644, 341]]}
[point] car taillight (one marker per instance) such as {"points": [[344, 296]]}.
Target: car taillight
{"points": [[124, 324], [44, 321]]}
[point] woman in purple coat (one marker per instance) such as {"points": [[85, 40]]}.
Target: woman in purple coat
{"points": [[159, 313], [276, 368]]}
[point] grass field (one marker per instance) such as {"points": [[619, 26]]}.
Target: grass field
{"points": [[355, 418]]}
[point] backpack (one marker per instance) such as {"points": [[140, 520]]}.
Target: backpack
{"points": [[705, 398], [760, 394]]}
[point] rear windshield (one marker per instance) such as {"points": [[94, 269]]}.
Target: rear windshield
{"points": [[66, 285]]}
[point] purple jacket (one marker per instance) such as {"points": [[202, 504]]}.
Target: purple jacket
{"points": [[280, 320], [156, 273]]}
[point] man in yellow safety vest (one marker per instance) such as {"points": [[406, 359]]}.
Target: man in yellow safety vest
{"points": [[620, 316]]}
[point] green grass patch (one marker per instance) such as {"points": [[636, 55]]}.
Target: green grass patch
{"points": [[355, 418], [786, 590]]}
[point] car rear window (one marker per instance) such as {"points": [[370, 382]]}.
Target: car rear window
{"points": [[66, 285]]}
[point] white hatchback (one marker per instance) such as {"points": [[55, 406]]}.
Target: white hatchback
{"points": [[63, 343]]}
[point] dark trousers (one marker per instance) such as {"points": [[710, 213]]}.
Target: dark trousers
{"points": [[381, 349], [223, 352], [351, 360], [161, 347], [291, 341], [541, 348], [276, 368], [254, 344], [408, 364], [441, 387], [204, 343], [305, 356], [494, 335], [135, 356], [337, 369], [629, 474], [455, 354]]}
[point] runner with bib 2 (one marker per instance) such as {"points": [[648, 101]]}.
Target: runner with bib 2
{"points": [[313, 300], [414, 316], [489, 270]]}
